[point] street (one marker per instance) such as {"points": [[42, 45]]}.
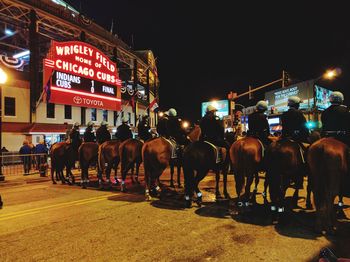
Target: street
{"points": [[45, 222]]}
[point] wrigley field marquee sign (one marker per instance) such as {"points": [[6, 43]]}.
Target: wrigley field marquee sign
{"points": [[78, 74]]}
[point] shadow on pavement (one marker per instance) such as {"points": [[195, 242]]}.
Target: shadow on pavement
{"points": [[219, 209], [170, 199]]}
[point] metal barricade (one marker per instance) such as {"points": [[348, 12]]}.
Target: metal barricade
{"points": [[19, 164]]}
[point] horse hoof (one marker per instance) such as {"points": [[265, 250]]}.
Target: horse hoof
{"points": [[83, 186], [100, 187], [180, 186], [341, 214], [188, 204], [199, 201], [309, 206], [123, 189], [54, 182], [218, 196], [148, 197], [227, 196]]}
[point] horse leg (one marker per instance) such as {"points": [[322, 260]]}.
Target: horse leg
{"points": [[53, 175], [199, 177], [137, 172], [239, 179], [217, 185], [256, 183], [189, 185], [247, 197], [82, 183], [147, 184], [340, 212], [308, 195], [132, 173], [264, 194], [172, 173], [179, 174], [124, 173], [115, 172]]}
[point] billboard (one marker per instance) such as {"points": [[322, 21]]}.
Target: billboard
{"points": [[221, 105], [322, 97], [78, 74], [279, 98]]}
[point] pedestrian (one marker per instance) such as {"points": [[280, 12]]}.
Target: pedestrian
{"points": [[4, 150], [41, 154], [25, 152]]}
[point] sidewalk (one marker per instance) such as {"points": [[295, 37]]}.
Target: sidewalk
{"points": [[20, 179]]}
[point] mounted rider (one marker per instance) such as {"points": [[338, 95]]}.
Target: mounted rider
{"points": [[294, 122], [89, 134], [258, 125], [144, 129], [102, 133], [162, 126], [74, 136], [212, 130], [123, 131], [174, 129], [336, 119]]}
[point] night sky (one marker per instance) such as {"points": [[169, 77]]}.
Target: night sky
{"points": [[206, 49]]}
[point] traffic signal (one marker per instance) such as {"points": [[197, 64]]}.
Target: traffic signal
{"points": [[285, 79]]}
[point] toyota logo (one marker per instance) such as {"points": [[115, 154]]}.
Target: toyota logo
{"points": [[77, 99]]}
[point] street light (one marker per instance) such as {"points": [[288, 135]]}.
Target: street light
{"points": [[331, 73], [3, 80]]}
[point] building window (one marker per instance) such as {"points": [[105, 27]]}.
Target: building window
{"points": [[67, 112], [93, 114], [10, 106], [50, 110], [105, 115], [83, 115], [115, 118]]}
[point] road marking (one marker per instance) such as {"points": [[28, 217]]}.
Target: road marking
{"points": [[60, 205]]}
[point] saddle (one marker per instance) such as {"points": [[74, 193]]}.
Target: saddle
{"points": [[174, 147], [302, 148], [220, 152]]}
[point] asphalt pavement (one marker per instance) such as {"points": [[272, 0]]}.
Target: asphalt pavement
{"points": [[44, 222]]}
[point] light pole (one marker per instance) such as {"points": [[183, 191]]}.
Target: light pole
{"points": [[3, 79]]}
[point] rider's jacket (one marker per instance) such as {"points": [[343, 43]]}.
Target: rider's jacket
{"points": [[212, 130], [144, 130], [123, 132], [102, 135], [89, 135], [336, 118], [294, 125], [175, 130], [258, 125], [162, 126], [74, 137]]}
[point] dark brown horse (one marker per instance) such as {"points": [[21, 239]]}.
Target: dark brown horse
{"points": [[246, 156], [108, 154], [130, 152], [88, 152], [156, 155], [62, 156], [285, 164], [328, 160], [200, 157]]}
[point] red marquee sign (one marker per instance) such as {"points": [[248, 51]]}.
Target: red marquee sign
{"points": [[78, 74]]}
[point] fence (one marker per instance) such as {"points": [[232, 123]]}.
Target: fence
{"points": [[18, 164]]}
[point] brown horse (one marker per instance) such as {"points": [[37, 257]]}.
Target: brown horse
{"points": [[156, 155], [130, 152], [328, 160], [108, 153], [62, 155], [246, 156], [88, 152]]}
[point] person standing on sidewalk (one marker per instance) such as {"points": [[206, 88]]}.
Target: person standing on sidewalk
{"points": [[26, 151]]}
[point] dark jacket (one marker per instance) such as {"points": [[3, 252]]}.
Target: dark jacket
{"points": [[212, 130], [258, 125], [175, 130], [75, 139], [123, 132], [294, 125], [162, 126], [40, 149], [102, 135], [25, 150], [89, 135], [144, 130], [336, 118]]}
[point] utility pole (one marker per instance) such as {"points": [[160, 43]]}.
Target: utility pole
{"points": [[250, 94]]}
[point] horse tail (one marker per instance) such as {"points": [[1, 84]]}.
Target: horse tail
{"points": [[101, 160]]}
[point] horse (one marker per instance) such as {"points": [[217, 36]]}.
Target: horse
{"points": [[201, 156], [328, 161], [285, 164], [156, 156], [130, 152], [108, 153], [88, 153], [246, 156], [62, 155], [192, 136]]}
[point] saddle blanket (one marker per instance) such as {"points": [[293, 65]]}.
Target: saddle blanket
{"points": [[217, 152], [173, 146]]}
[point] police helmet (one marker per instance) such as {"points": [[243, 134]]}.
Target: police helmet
{"points": [[104, 123], [172, 112], [76, 125], [90, 124], [125, 119], [294, 100], [261, 105], [336, 97], [211, 108]]}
